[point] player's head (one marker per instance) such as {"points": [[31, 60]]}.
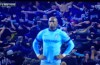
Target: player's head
{"points": [[53, 23]]}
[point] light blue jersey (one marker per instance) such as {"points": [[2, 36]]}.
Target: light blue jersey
{"points": [[52, 41]]}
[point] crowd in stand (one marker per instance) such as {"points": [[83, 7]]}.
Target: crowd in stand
{"points": [[20, 24]]}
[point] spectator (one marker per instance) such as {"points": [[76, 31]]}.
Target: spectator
{"points": [[4, 60], [97, 57], [89, 59]]}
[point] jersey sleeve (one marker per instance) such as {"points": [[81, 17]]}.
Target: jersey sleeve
{"points": [[39, 36], [65, 37], [36, 42]]}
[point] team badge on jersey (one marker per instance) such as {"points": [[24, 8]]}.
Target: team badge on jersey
{"points": [[56, 36]]}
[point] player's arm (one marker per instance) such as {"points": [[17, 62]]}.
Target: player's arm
{"points": [[35, 46], [36, 42], [66, 39]]}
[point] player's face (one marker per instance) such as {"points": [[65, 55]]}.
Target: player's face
{"points": [[53, 23]]}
